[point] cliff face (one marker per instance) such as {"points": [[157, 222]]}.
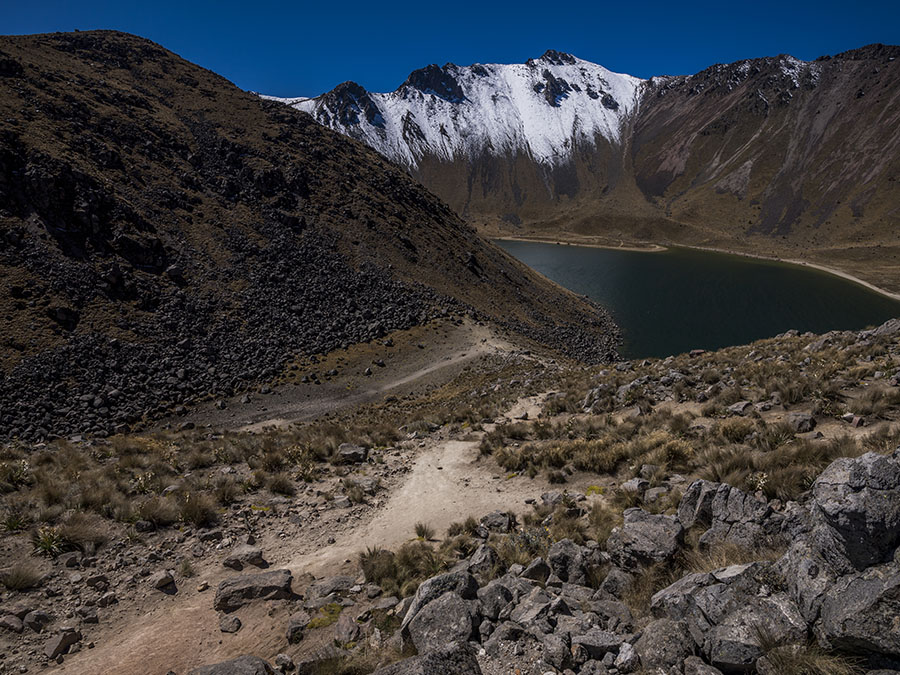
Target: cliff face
{"points": [[167, 236]]}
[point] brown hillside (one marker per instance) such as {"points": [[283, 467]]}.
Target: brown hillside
{"points": [[166, 236]]}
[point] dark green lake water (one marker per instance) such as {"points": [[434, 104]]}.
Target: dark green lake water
{"points": [[682, 299]]}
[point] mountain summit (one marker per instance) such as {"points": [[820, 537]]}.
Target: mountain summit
{"points": [[543, 109]]}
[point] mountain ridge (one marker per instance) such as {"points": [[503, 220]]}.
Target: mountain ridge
{"points": [[772, 156]]}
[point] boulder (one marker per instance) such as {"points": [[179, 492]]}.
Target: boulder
{"points": [[741, 518], [346, 630], [448, 618], [483, 563], [859, 499], [11, 623], [243, 589], [242, 665], [597, 643], [297, 623], [244, 555], [733, 644], [456, 658], [498, 521], [61, 641], [694, 665], [568, 561], [644, 539], [493, 598], [800, 422], [859, 612], [461, 583], [229, 623], [347, 453], [162, 581], [665, 644], [724, 610], [537, 570], [695, 507]]}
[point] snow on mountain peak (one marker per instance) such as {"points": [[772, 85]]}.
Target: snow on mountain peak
{"points": [[544, 108]]}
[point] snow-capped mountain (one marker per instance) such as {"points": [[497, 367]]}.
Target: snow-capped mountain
{"points": [[543, 108], [805, 151]]}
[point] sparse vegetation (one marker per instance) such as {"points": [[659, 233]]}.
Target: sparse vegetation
{"points": [[21, 576]]}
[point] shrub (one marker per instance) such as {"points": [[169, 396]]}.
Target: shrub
{"points": [[198, 509], [424, 532], [47, 541], [161, 511], [21, 577], [282, 484]]}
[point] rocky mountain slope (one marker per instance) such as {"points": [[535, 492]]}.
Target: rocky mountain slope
{"points": [[165, 236], [725, 512], [769, 155]]}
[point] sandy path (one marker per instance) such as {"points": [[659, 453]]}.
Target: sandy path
{"points": [[447, 482]]}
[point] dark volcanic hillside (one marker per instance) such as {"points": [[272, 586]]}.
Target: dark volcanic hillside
{"points": [[778, 147], [773, 156], [165, 236]]}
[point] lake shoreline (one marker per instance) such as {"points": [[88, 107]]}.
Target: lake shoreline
{"points": [[800, 263], [657, 248]]}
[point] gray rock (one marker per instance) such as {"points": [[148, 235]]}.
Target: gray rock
{"points": [[346, 630], [162, 581], [535, 606], [462, 584], [537, 570], [498, 521], [456, 658], [598, 642], [328, 586], [88, 615], [38, 618], [694, 665], [740, 408], [734, 642], [11, 623], [568, 561], [297, 623], [644, 539], [347, 453], [635, 485], [555, 650], [243, 589], [695, 507], [242, 665], [61, 641], [617, 582], [859, 499], [664, 644], [627, 660], [493, 598], [859, 609], [284, 663], [800, 422], [448, 618], [244, 555], [229, 623], [743, 519], [483, 563]]}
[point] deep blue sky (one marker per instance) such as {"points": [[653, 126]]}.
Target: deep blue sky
{"points": [[303, 49]]}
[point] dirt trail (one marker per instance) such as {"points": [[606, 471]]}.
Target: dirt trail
{"points": [[417, 358], [447, 482]]}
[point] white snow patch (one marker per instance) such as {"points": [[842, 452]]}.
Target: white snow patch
{"points": [[505, 110]]}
